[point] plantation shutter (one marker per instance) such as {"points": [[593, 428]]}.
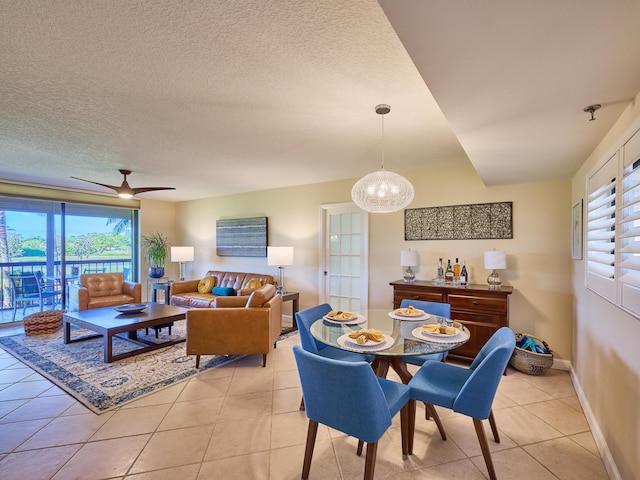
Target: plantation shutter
{"points": [[629, 227], [601, 229]]}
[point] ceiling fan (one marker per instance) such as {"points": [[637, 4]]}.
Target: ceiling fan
{"points": [[124, 190]]}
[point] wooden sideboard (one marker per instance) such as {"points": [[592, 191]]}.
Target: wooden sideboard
{"points": [[481, 309]]}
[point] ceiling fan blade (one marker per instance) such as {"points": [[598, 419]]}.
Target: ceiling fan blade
{"points": [[113, 187], [150, 189]]}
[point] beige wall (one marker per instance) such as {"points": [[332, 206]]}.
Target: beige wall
{"points": [[538, 260], [606, 358]]}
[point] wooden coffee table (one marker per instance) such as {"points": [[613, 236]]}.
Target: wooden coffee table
{"points": [[109, 323]]}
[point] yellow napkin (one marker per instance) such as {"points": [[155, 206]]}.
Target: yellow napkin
{"points": [[361, 336], [340, 315], [437, 329], [410, 310]]}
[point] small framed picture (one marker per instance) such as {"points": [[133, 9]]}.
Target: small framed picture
{"points": [[576, 234]]}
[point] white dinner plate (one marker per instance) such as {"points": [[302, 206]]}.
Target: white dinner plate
{"points": [[398, 316], [353, 321], [350, 344], [439, 338]]}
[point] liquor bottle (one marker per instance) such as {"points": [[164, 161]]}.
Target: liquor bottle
{"points": [[456, 269], [440, 278], [464, 276], [448, 273]]}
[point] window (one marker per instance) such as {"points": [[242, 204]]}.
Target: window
{"points": [[613, 228]]}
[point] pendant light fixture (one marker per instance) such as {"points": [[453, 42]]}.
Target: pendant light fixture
{"points": [[382, 191]]}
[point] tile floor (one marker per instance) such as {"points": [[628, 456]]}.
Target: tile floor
{"points": [[242, 421]]}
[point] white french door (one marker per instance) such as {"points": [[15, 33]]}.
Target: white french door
{"points": [[344, 257]]}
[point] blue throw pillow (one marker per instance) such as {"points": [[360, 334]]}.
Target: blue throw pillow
{"points": [[223, 291]]}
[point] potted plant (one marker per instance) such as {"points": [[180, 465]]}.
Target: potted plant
{"points": [[155, 247]]}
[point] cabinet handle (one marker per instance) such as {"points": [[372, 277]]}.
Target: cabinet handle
{"points": [[416, 297], [475, 302]]}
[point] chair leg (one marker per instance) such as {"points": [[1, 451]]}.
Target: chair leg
{"points": [[436, 418], [264, 360], [308, 452], [359, 449], [494, 427], [404, 429], [197, 361], [370, 460], [411, 428], [302, 404], [484, 446]]}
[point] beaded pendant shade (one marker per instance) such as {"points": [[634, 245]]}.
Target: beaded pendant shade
{"points": [[382, 191]]}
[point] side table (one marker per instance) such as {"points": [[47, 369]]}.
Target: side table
{"points": [[166, 288], [294, 298]]}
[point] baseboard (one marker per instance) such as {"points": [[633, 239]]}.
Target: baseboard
{"points": [[564, 365], [605, 453]]}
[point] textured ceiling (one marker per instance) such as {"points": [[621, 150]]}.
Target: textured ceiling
{"points": [[219, 97]]}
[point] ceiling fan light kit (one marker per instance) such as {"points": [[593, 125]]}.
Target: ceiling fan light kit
{"points": [[592, 109], [382, 191], [124, 190]]}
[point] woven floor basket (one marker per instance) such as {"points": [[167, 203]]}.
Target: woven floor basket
{"points": [[530, 362], [43, 322]]}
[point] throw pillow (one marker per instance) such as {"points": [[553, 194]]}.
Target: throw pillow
{"points": [[223, 291], [254, 284], [206, 284]]}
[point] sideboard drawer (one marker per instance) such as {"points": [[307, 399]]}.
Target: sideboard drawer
{"points": [[479, 304]]}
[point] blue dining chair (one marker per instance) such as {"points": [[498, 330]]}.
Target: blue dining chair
{"points": [[349, 397], [469, 391], [305, 318]]}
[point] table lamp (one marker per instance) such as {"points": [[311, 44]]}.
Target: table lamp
{"points": [[495, 260], [182, 255], [409, 258], [280, 256]]}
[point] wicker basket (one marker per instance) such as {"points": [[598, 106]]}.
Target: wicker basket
{"points": [[530, 362], [43, 322]]}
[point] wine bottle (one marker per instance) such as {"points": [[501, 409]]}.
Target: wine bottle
{"points": [[448, 273], [456, 269], [440, 278], [464, 276]]}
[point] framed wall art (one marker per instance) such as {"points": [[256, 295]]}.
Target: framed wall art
{"points": [[241, 237], [576, 234], [460, 222]]}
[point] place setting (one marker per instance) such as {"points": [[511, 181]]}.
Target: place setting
{"points": [[340, 317], [441, 332], [365, 340], [409, 314]]}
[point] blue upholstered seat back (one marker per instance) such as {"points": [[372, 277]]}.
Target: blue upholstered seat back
{"points": [[435, 308], [344, 395], [304, 319]]}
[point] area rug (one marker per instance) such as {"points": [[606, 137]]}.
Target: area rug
{"points": [[79, 369]]}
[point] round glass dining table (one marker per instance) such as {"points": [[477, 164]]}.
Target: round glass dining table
{"points": [[403, 337]]}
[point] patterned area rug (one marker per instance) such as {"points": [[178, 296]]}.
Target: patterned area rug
{"points": [[79, 369]]}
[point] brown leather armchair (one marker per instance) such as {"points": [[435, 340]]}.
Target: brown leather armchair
{"points": [[237, 325], [98, 290]]}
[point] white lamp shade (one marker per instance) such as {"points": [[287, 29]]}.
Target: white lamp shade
{"points": [[182, 254], [382, 192], [495, 260], [279, 256], [409, 258]]}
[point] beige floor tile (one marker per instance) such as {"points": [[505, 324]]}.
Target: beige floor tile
{"points": [[502, 401], [291, 428], [286, 463], [461, 469], [9, 406], [523, 427], [191, 414], [573, 402], [568, 460], [25, 389], [66, 431], [251, 382], [92, 462], [514, 464], [173, 448], [239, 437], [199, 389], [13, 434], [226, 370], [428, 446], [184, 472], [254, 466], [561, 416], [585, 440], [389, 459], [286, 400], [36, 464], [247, 406], [12, 375], [522, 392], [556, 383], [166, 395], [132, 421], [286, 379], [40, 407]]}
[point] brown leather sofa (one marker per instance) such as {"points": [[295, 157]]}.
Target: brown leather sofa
{"points": [[186, 294], [238, 325], [98, 290]]}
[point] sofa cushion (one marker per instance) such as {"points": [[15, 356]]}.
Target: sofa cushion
{"points": [[206, 284], [223, 291], [261, 295]]}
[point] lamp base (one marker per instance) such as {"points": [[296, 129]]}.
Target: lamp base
{"points": [[280, 288], [494, 280], [409, 276]]}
